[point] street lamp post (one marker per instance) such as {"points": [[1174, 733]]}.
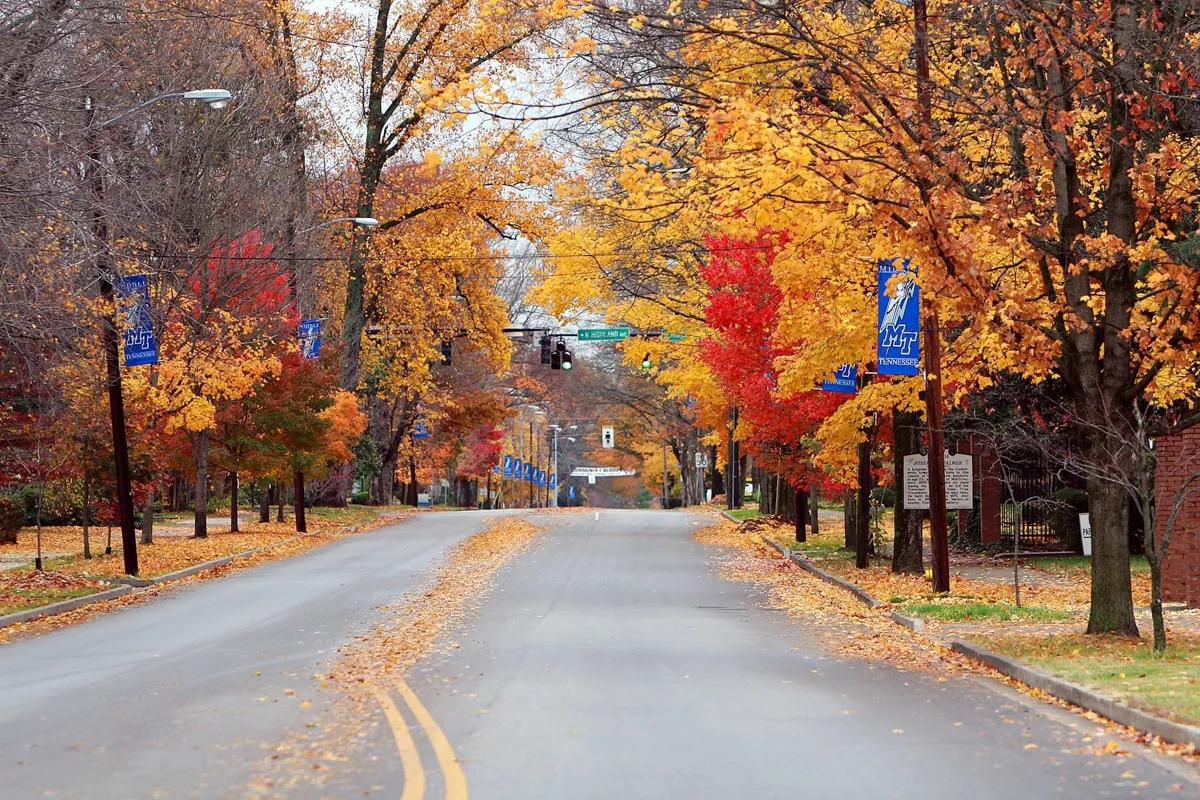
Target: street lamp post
{"points": [[554, 494], [214, 98]]}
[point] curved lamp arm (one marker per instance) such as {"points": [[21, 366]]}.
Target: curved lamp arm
{"points": [[213, 98], [366, 222]]}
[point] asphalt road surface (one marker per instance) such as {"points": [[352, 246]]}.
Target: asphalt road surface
{"points": [[609, 661]]}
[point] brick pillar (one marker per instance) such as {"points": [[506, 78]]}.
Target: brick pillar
{"points": [[1179, 460], [989, 494]]}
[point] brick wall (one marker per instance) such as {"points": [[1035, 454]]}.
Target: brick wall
{"points": [[1179, 461]]}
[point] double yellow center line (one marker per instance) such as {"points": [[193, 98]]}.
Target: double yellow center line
{"points": [[410, 757]]}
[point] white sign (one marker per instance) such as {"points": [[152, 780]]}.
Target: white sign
{"points": [[701, 460], [1085, 532], [959, 481], [606, 436], [601, 472]]}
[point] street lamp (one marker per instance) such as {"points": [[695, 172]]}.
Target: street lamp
{"points": [[365, 222], [214, 98]]}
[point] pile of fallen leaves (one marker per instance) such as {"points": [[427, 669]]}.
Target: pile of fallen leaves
{"points": [[43, 580], [768, 524]]}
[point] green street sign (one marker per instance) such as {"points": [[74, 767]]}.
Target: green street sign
{"points": [[676, 337], [603, 334]]}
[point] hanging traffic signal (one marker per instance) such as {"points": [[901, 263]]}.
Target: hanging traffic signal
{"points": [[547, 349], [447, 351], [561, 357], [646, 362]]}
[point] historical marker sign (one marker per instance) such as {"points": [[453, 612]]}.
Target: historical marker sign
{"points": [[959, 482]]}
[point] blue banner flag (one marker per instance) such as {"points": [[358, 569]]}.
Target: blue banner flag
{"points": [[310, 338], [508, 466], [554, 483], [541, 478], [899, 351], [528, 474], [518, 465], [571, 491], [140, 345], [845, 380]]}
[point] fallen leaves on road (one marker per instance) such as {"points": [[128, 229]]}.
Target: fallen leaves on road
{"points": [[843, 623], [408, 632]]}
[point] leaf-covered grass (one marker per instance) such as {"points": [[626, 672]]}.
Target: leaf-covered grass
{"points": [[14, 600], [1124, 669], [976, 612], [62, 547], [743, 514], [1078, 566]]}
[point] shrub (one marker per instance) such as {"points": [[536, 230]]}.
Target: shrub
{"points": [[10, 520]]}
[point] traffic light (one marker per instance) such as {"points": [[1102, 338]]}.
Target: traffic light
{"points": [[447, 351], [646, 362], [547, 349], [560, 358]]}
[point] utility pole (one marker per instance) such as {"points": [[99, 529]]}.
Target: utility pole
{"points": [[933, 347], [112, 353], [532, 446]]}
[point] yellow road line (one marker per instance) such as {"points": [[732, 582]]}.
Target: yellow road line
{"points": [[456, 781], [410, 759]]}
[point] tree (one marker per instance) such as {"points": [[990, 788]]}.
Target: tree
{"points": [[1041, 197]]}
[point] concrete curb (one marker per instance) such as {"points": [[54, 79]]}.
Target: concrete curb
{"points": [[65, 605], [1075, 694], [808, 566], [139, 583], [914, 624]]}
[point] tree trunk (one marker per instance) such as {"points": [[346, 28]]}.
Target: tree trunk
{"points": [[282, 498], [862, 511], [87, 543], [264, 504], [718, 477], [148, 518], [849, 525], [801, 504], [1112, 598], [233, 502], [412, 482], [1156, 602], [200, 440], [298, 490], [908, 557], [814, 518]]}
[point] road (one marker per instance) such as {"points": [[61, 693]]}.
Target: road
{"points": [[609, 661]]}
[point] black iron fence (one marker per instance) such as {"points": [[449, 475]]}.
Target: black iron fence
{"points": [[1040, 502]]}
